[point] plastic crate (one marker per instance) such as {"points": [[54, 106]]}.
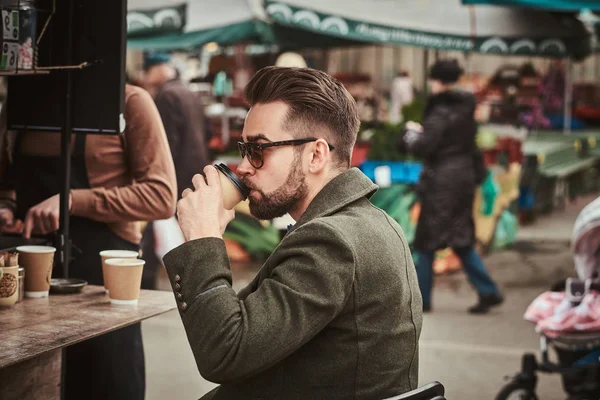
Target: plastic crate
{"points": [[400, 171]]}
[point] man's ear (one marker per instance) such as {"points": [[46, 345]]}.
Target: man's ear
{"points": [[320, 156]]}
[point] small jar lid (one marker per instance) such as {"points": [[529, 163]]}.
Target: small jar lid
{"points": [[237, 182]]}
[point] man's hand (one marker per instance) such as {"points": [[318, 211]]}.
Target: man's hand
{"points": [[43, 218], [8, 222], [200, 212]]}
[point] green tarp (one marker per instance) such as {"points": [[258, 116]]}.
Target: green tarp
{"points": [[224, 35], [169, 25], [441, 24], [189, 24]]}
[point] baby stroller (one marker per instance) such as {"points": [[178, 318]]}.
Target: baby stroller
{"points": [[568, 319]]}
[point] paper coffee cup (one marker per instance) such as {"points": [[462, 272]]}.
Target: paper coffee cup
{"points": [[124, 278], [38, 262], [107, 254], [234, 190], [9, 285]]}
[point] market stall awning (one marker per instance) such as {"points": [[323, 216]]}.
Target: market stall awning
{"points": [[562, 5], [441, 24], [177, 24]]}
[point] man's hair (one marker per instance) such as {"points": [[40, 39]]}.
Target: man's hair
{"points": [[315, 100]]}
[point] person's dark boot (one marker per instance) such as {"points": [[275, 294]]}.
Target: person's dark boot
{"points": [[486, 302]]}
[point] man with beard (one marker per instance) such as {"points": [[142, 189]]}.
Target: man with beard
{"points": [[335, 312]]}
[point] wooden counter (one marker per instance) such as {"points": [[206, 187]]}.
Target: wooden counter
{"points": [[33, 332]]}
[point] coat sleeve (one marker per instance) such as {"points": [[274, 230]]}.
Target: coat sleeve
{"points": [[234, 338], [245, 291], [427, 142]]}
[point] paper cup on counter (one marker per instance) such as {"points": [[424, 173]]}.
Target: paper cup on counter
{"points": [[108, 254], [38, 262], [124, 278]]}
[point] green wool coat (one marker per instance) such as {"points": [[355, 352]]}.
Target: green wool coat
{"points": [[334, 313]]}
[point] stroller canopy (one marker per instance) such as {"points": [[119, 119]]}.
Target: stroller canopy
{"points": [[585, 242]]}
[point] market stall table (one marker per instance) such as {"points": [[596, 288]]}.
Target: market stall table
{"points": [[34, 332]]}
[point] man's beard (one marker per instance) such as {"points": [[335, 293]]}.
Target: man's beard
{"points": [[284, 198]]}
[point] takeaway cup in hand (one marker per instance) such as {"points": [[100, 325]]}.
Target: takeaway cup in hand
{"points": [[124, 278], [108, 254], [38, 262], [234, 190]]}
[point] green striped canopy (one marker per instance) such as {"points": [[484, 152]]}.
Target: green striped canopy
{"points": [[441, 24]]}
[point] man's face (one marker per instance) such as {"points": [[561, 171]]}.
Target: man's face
{"points": [[280, 184]]}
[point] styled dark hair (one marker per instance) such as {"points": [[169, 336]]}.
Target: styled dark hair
{"points": [[446, 71], [315, 100]]}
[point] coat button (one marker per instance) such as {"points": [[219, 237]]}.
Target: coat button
{"points": [[179, 296], [177, 278], [183, 306], [177, 287]]}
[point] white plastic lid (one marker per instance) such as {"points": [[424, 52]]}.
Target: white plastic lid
{"points": [[125, 262], [119, 253], [36, 249]]}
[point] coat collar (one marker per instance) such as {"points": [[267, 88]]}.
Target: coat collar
{"points": [[342, 190]]}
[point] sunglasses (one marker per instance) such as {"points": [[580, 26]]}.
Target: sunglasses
{"points": [[254, 151]]}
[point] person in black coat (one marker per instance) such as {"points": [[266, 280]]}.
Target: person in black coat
{"points": [[452, 169]]}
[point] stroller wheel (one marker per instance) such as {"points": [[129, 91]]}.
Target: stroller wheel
{"points": [[515, 390]]}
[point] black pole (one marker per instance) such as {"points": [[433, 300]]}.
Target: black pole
{"points": [[65, 141], [65, 152]]}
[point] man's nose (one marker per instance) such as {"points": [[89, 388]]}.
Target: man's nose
{"points": [[244, 168]]}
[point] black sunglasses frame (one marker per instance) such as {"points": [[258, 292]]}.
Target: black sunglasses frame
{"points": [[246, 147]]}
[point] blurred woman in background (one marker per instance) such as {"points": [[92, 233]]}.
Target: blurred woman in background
{"points": [[452, 170]]}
